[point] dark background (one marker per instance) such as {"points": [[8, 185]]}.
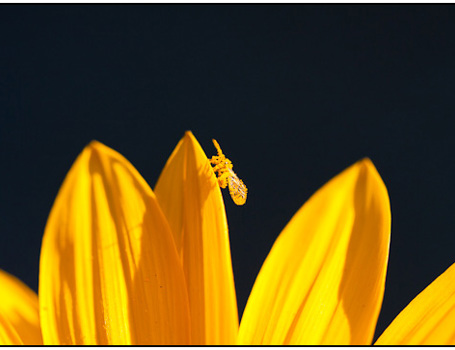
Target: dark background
{"points": [[294, 94]]}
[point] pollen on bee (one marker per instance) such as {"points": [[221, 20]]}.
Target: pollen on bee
{"points": [[222, 166]]}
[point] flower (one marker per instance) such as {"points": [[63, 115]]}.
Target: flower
{"points": [[122, 264]]}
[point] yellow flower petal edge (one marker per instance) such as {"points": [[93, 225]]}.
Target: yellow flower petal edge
{"points": [[323, 280], [109, 269], [19, 318], [429, 319], [190, 197]]}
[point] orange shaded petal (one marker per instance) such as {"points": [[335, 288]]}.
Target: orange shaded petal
{"points": [[190, 197], [323, 281], [19, 319], [109, 270], [429, 319]]}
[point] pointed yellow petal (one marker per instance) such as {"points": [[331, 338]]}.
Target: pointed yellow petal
{"points": [[109, 271], [323, 281], [429, 319], [190, 197], [19, 319]]}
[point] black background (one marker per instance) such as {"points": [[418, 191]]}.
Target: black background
{"points": [[294, 94]]}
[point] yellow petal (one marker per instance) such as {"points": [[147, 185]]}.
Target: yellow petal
{"points": [[429, 319], [109, 270], [323, 281], [19, 319], [190, 197], [8, 333]]}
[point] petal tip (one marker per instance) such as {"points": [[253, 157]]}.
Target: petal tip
{"points": [[189, 136], [367, 162], [368, 165], [97, 148], [95, 145]]}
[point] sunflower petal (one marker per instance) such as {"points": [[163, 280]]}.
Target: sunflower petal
{"points": [[429, 319], [190, 197], [323, 281], [19, 319], [109, 270]]}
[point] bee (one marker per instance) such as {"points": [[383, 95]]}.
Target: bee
{"points": [[226, 176]]}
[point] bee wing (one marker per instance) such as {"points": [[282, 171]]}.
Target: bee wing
{"points": [[237, 189]]}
